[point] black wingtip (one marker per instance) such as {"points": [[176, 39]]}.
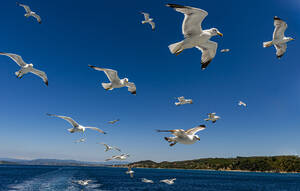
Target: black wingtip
{"points": [[48, 114], [18, 3], [134, 93], [279, 56], [205, 64], [277, 18], [202, 126], [174, 5], [91, 66], [46, 83]]}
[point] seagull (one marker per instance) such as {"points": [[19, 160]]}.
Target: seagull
{"points": [[114, 121], [183, 101], [168, 181], [279, 40], [242, 103], [129, 171], [194, 36], [212, 117], [119, 157], [76, 127], [187, 137], [82, 182], [116, 82], [30, 13], [25, 68], [80, 140], [145, 180], [148, 20], [225, 50], [107, 147]]}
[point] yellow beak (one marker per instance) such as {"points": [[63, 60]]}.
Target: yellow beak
{"points": [[220, 34]]}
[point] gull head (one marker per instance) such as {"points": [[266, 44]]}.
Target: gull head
{"points": [[126, 80], [290, 39], [215, 32]]}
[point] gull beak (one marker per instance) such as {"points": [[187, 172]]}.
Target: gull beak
{"points": [[220, 34]]}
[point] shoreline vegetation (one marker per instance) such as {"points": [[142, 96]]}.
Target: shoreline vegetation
{"points": [[267, 164]]}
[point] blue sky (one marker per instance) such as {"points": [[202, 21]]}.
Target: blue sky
{"points": [[109, 34]]}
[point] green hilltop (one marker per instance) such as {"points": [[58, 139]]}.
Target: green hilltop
{"points": [[256, 164]]}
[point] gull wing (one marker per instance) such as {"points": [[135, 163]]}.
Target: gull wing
{"points": [[175, 132], [280, 27], [194, 130], [38, 18], [146, 15], [96, 129], [69, 119], [280, 49], [112, 75], [152, 25], [26, 7], [106, 146], [181, 98], [41, 74], [208, 50], [131, 87], [193, 18], [116, 148], [17, 58]]}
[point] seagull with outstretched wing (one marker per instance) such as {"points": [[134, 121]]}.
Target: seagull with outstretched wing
{"points": [[148, 20], [279, 40], [30, 13], [76, 127], [25, 68], [107, 147], [194, 36]]}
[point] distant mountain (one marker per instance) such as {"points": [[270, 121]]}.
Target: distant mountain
{"points": [[57, 162], [257, 164]]}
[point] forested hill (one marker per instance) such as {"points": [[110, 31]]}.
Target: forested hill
{"points": [[262, 164]]}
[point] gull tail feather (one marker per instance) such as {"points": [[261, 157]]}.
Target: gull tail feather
{"points": [[267, 44], [175, 47]]}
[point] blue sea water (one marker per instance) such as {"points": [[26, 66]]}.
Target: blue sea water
{"points": [[46, 178]]}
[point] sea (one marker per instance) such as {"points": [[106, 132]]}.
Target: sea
{"points": [[60, 178]]}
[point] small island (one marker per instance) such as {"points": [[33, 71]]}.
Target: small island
{"points": [[277, 164]]}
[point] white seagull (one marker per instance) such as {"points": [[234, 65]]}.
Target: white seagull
{"points": [[212, 117], [119, 157], [145, 180], [129, 171], [194, 36], [30, 13], [107, 147], [82, 182], [242, 104], [114, 121], [80, 140], [76, 127], [183, 101], [148, 20], [168, 181], [225, 50], [187, 137], [279, 40], [25, 68], [115, 81]]}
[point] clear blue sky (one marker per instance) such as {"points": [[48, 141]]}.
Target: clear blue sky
{"points": [[109, 34]]}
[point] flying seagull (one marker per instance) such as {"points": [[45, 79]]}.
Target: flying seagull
{"points": [[168, 181], [30, 13], [115, 81], [225, 50], [187, 137], [119, 157], [107, 147], [183, 101], [130, 171], [279, 40], [212, 117], [80, 140], [145, 180], [148, 20], [114, 121], [194, 36], [76, 127], [82, 182], [242, 104], [25, 68]]}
